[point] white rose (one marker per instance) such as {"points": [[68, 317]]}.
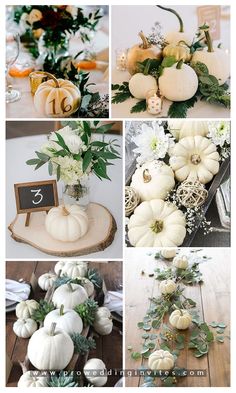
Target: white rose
{"points": [[63, 132]]}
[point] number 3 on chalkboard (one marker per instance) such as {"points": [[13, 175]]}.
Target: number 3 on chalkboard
{"points": [[64, 108], [37, 196]]}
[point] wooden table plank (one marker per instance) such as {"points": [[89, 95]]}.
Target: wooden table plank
{"points": [[216, 286]]}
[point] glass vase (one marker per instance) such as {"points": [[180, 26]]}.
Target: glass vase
{"points": [[77, 194]]}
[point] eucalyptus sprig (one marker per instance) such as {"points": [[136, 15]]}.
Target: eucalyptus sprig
{"points": [[189, 276]]}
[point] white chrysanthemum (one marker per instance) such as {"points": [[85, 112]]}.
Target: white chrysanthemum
{"points": [[219, 132], [152, 143], [71, 170]]}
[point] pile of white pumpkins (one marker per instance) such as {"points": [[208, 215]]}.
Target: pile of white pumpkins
{"points": [[178, 82], [50, 347], [179, 319], [194, 158]]}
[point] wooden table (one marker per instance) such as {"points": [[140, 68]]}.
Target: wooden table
{"points": [[106, 346], [213, 300]]}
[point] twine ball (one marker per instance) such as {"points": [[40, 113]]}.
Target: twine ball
{"points": [[132, 200], [191, 193]]}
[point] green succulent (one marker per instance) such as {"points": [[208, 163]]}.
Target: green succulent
{"points": [[44, 308], [82, 344], [87, 311], [63, 380]]}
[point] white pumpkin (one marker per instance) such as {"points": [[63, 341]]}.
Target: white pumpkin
{"points": [[57, 98], [29, 380], [50, 349], [59, 266], [67, 320], [140, 85], [88, 285], [153, 180], [180, 319], [167, 287], [103, 321], [67, 223], [216, 60], [95, 372], [69, 295], [24, 327], [157, 224], [46, 281], [178, 82], [181, 262], [26, 308], [188, 128], [74, 269], [168, 253], [174, 126], [195, 158], [161, 360]]}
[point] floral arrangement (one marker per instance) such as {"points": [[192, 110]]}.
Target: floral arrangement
{"points": [[170, 157], [173, 323], [75, 151], [55, 23], [189, 64]]}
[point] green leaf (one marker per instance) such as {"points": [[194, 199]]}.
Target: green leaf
{"points": [[42, 156], [198, 354], [104, 128], [50, 168], [220, 339], [180, 109], [153, 336], [41, 163], [168, 382], [145, 336], [58, 172], [150, 345], [140, 325], [220, 331], [99, 144], [61, 142], [168, 61], [100, 171], [156, 324], [33, 161], [146, 326], [222, 325], [87, 159], [87, 128], [107, 155], [213, 324], [140, 106], [135, 355], [144, 350]]}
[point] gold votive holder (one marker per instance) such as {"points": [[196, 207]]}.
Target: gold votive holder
{"points": [[36, 78]]}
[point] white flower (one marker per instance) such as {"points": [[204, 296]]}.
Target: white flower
{"points": [[152, 143], [71, 9], [63, 132], [71, 171], [74, 143], [219, 132]]}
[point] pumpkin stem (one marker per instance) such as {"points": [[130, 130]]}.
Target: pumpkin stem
{"points": [[70, 287], [62, 310], [50, 76], [157, 226], [146, 176], [65, 211], [145, 44], [52, 329], [147, 66], [208, 39], [181, 23], [179, 64], [195, 159]]}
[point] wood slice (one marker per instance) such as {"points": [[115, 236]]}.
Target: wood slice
{"points": [[100, 235]]}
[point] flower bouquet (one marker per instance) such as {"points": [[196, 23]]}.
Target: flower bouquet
{"points": [[172, 179], [180, 67], [73, 153]]}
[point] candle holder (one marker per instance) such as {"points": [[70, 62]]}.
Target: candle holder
{"points": [[121, 59], [154, 102], [36, 78]]}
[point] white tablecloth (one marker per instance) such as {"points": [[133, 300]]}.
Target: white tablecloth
{"points": [[108, 193], [127, 21], [24, 108]]}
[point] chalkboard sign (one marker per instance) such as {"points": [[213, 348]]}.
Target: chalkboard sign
{"points": [[36, 196]]}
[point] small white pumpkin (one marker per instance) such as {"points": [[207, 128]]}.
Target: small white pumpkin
{"points": [[67, 223], [46, 281], [88, 285], [168, 253], [153, 180], [161, 360], [156, 223], [50, 349], [180, 319], [103, 321], [178, 82], [167, 287], [26, 308], [74, 269], [69, 295], [59, 266], [29, 380], [181, 262], [67, 320], [57, 98], [140, 85], [216, 60], [24, 328], [95, 372], [174, 126], [188, 128], [195, 158]]}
